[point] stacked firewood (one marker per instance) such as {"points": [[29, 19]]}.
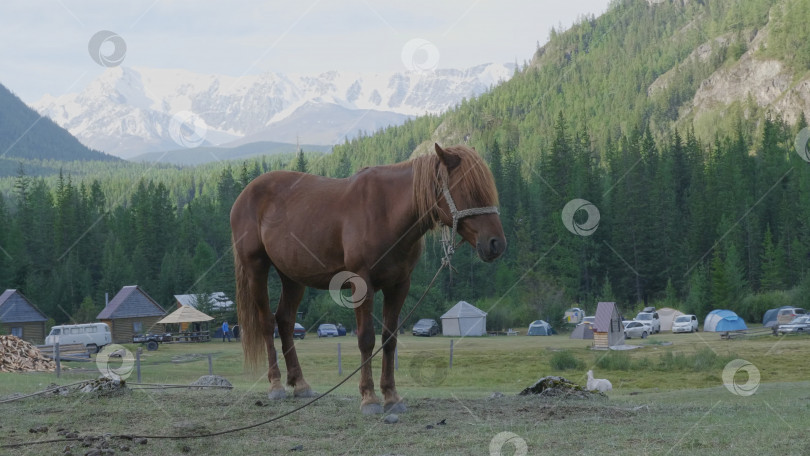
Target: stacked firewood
{"points": [[17, 355]]}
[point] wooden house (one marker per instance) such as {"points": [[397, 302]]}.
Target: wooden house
{"points": [[608, 329], [20, 318], [131, 312]]}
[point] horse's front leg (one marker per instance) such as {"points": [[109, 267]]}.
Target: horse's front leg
{"points": [[394, 299], [369, 403]]}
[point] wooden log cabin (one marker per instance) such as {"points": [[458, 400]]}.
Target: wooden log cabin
{"points": [[19, 317], [131, 311]]}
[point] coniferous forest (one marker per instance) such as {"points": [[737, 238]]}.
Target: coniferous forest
{"points": [[696, 213], [680, 223]]}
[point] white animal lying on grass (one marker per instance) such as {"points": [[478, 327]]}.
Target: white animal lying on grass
{"points": [[599, 384]]}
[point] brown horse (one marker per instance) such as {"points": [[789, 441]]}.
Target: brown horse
{"points": [[311, 228]]}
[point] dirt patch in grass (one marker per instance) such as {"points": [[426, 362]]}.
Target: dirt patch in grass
{"points": [[332, 425]]}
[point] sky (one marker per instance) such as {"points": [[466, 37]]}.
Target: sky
{"points": [[45, 45]]}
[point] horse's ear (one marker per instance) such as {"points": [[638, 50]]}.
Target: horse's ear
{"points": [[449, 159]]}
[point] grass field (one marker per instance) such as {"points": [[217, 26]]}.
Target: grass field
{"points": [[666, 399]]}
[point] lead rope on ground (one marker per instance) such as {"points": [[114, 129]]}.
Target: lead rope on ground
{"points": [[45, 391], [268, 421]]}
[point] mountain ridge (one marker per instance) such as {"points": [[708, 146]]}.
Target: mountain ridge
{"points": [[129, 111]]}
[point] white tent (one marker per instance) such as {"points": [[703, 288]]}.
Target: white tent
{"points": [[464, 319], [667, 316]]}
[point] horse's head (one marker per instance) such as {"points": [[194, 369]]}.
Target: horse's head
{"points": [[472, 190]]}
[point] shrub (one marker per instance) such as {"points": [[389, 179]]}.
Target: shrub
{"points": [[614, 360], [701, 361], [753, 307], [565, 360]]}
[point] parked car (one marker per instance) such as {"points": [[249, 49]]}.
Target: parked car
{"points": [[299, 332], [93, 336], [685, 324], [588, 320], [787, 315], [652, 319], [327, 330], [799, 325], [636, 329], [426, 327]]}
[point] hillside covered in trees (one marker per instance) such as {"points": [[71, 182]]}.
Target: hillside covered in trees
{"points": [[24, 134], [699, 207]]}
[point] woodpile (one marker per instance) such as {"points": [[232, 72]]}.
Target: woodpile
{"points": [[17, 355]]}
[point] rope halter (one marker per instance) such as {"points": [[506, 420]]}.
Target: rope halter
{"points": [[448, 234]]}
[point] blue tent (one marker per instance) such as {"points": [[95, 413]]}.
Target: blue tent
{"points": [[723, 320], [769, 319]]}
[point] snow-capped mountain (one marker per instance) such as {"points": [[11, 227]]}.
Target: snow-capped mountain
{"points": [[131, 111]]}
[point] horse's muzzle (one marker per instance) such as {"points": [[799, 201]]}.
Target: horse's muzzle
{"points": [[491, 250]]}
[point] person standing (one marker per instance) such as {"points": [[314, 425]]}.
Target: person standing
{"points": [[236, 331], [225, 331]]}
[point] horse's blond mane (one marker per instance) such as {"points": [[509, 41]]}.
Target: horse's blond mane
{"points": [[471, 177]]}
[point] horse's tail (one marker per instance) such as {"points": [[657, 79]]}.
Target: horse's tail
{"points": [[251, 327]]}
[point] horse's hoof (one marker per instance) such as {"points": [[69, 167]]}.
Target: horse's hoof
{"points": [[371, 409], [396, 407], [277, 395], [306, 393]]}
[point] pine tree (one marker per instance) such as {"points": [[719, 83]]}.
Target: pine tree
{"points": [[734, 276], [301, 164], [720, 289], [771, 277], [697, 299]]}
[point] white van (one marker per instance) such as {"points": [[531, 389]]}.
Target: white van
{"points": [[92, 335]]}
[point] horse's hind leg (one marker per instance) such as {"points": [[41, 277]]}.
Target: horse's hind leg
{"points": [[257, 323], [291, 295], [268, 322]]}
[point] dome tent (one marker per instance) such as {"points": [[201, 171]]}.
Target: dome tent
{"points": [[770, 318], [723, 320], [540, 328]]}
